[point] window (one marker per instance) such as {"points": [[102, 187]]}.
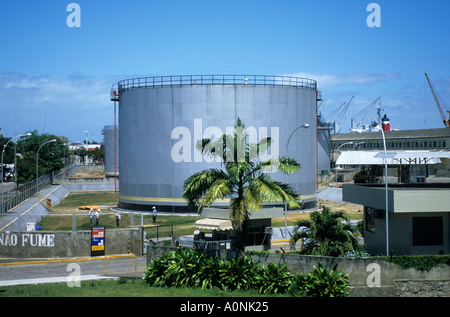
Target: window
{"points": [[255, 235], [369, 214], [427, 231]]}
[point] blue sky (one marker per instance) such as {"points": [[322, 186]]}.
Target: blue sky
{"points": [[57, 79]]}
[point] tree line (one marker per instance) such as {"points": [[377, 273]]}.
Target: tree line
{"points": [[53, 156]]}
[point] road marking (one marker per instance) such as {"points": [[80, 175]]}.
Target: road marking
{"points": [[39, 201], [107, 257]]}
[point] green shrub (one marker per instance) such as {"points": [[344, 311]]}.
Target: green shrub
{"points": [[177, 268], [419, 262], [155, 272], [237, 274], [326, 283], [298, 285], [273, 279], [189, 268], [209, 273]]}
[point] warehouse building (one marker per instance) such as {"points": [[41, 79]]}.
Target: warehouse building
{"points": [[421, 154]]}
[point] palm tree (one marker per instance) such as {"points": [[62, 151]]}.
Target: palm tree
{"points": [[327, 233], [244, 180]]}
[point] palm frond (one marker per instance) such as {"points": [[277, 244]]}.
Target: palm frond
{"points": [[196, 185], [218, 190], [253, 196], [288, 165], [238, 213], [271, 190]]}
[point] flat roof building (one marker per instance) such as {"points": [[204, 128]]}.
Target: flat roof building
{"points": [[419, 154], [421, 139], [418, 217]]}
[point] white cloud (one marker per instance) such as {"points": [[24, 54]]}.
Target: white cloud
{"points": [[45, 90], [332, 80], [57, 105]]}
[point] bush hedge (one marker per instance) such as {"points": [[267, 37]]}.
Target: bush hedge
{"points": [[419, 262], [191, 268]]}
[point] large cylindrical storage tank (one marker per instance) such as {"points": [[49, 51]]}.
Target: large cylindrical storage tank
{"points": [[161, 119], [111, 160]]}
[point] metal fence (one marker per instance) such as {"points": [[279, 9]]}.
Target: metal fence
{"points": [[13, 197], [156, 232], [205, 245], [107, 218], [202, 80]]}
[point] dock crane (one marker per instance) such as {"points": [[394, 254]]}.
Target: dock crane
{"points": [[342, 112], [444, 119], [356, 128]]}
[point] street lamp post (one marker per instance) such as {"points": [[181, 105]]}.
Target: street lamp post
{"points": [[385, 187], [37, 163], [4, 147], [304, 126]]}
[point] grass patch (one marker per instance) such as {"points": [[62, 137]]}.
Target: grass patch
{"points": [[116, 288], [182, 225], [61, 218], [293, 217], [73, 200]]}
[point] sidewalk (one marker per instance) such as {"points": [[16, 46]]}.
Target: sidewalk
{"points": [[62, 279], [32, 209], [15, 271]]}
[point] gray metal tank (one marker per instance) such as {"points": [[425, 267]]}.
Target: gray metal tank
{"points": [[161, 119], [111, 162]]}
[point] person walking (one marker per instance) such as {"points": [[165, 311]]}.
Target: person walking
{"points": [[91, 216], [97, 216], [118, 219], [154, 214]]}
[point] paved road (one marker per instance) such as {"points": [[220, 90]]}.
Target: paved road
{"points": [[33, 271], [31, 210]]}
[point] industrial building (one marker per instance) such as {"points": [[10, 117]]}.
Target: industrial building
{"points": [[420, 139], [417, 222], [162, 118], [424, 152]]}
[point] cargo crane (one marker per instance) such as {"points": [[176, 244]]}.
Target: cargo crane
{"points": [[357, 127], [342, 112], [446, 121]]}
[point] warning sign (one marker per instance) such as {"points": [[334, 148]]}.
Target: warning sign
{"points": [[98, 241]]}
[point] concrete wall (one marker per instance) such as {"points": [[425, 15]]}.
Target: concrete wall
{"points": [[85, 181], [41, 244], [90, 168]]}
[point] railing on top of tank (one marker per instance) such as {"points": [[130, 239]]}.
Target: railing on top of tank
{"points": [[201, 80]]}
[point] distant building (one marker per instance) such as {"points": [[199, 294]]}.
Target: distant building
{"points": [[352, 152], [421, 139], [81, 146]]}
